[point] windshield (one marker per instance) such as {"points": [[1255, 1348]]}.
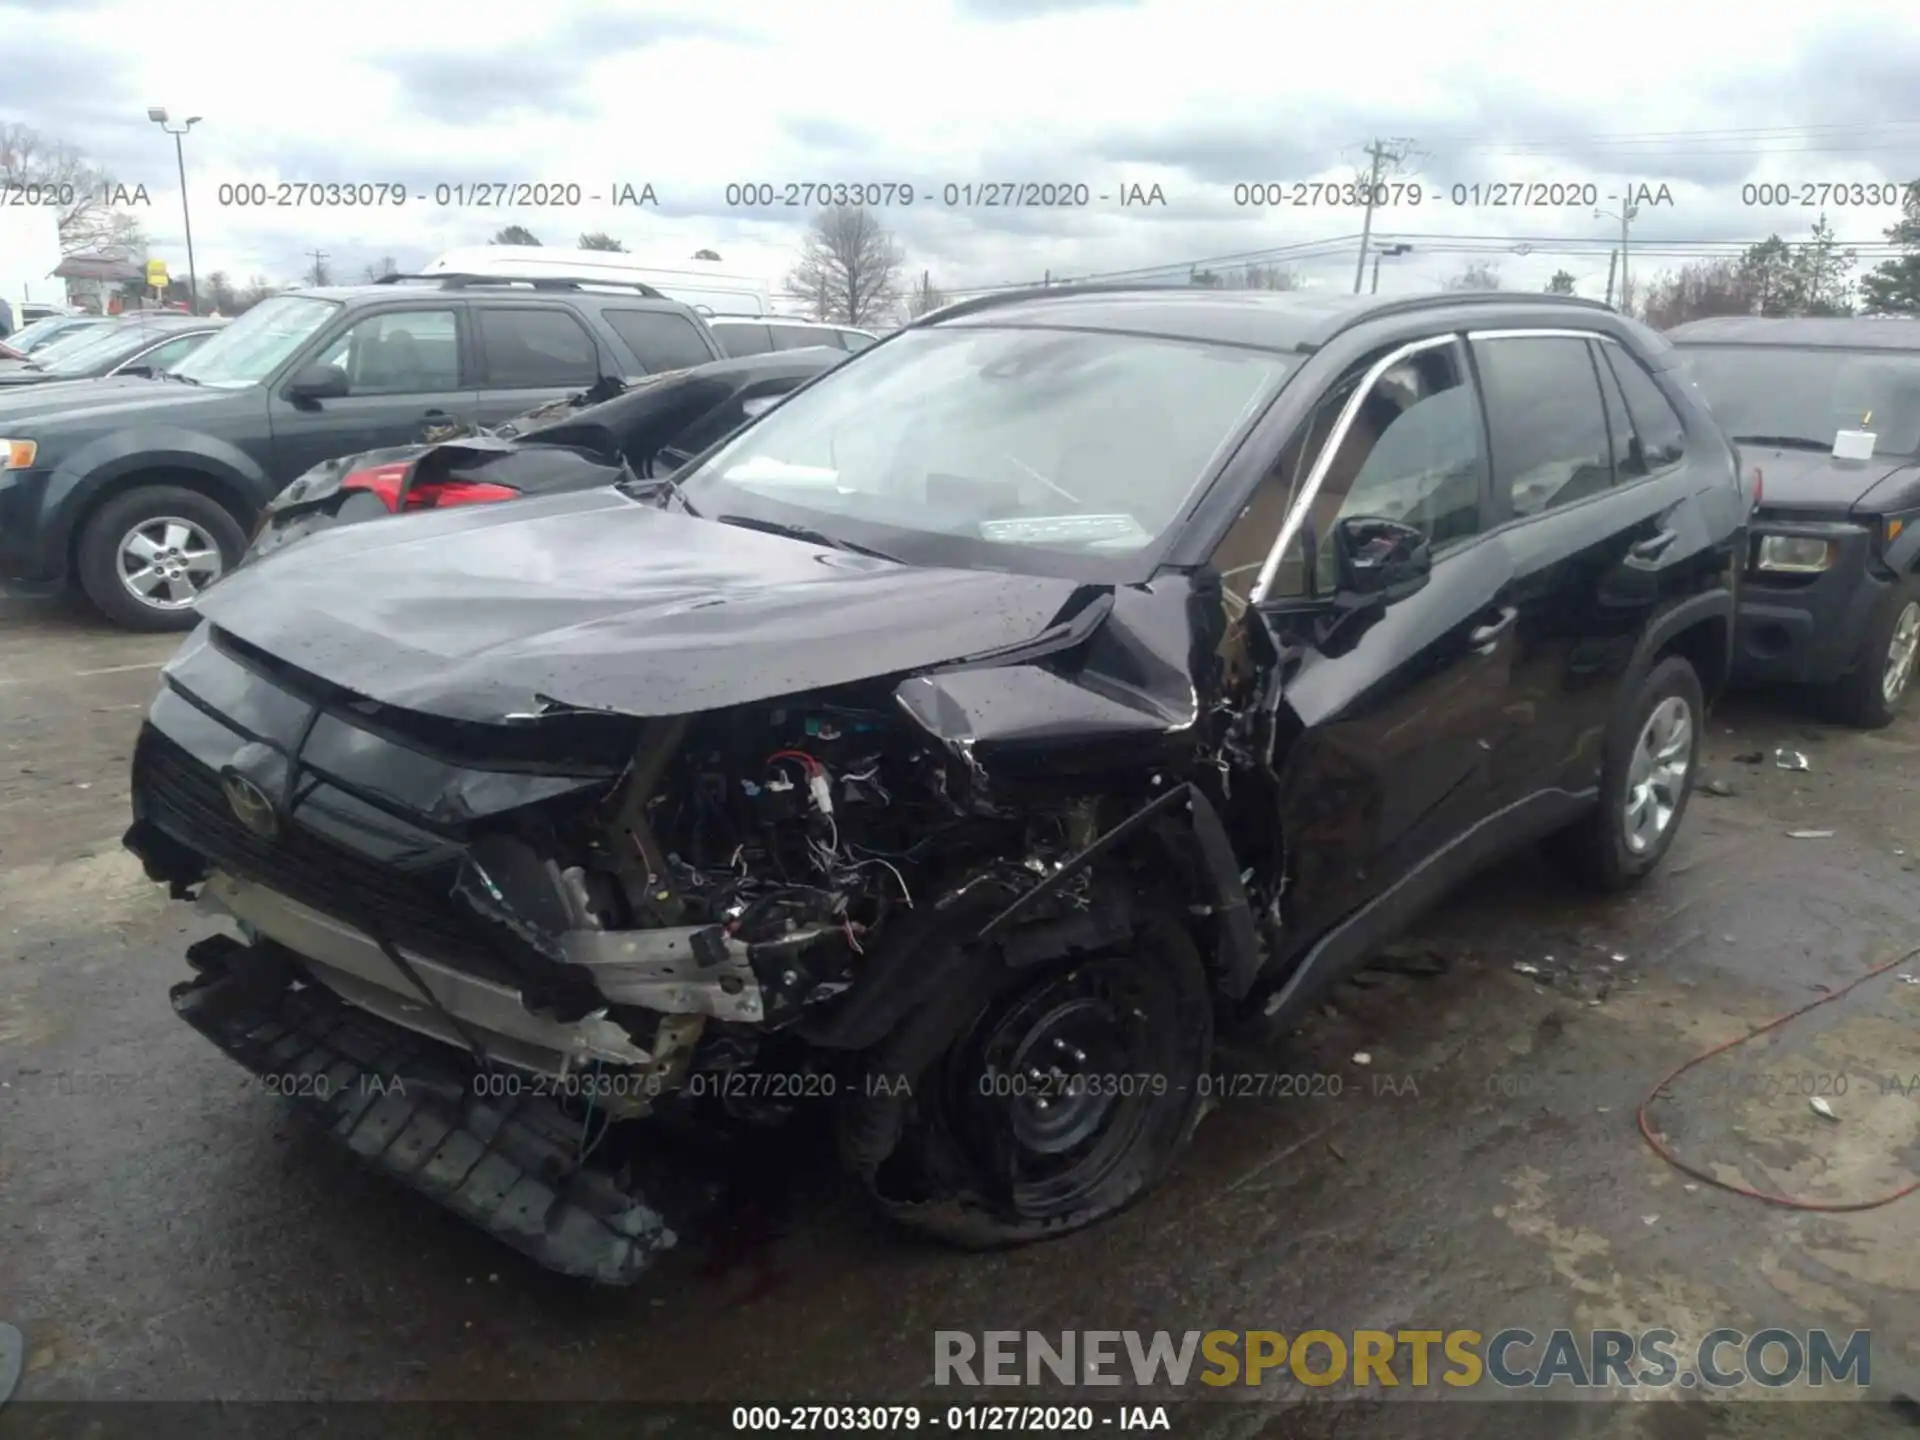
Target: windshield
{"points": [[1807, 395], [92, 350], [258, 343], [1043, 450], [41, 333]]}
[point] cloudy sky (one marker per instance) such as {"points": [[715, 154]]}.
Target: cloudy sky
{"points": [[1193, 96]]}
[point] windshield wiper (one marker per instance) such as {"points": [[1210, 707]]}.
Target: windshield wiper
{"points": [[1784, 442], [802, 532], [173, 375]]}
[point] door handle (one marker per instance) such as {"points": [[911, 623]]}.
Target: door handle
{"points": [[1483, 637], [1655, 547]]}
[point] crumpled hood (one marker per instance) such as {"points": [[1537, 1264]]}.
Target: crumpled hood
{"points": [[603, 602], [1814, 480]]}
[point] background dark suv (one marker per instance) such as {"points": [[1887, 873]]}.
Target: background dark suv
{"points": [[142, 491]]}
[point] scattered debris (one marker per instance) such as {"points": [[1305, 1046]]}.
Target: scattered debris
{"points": [[1790, 760], [1648, 1219], [1361, 1057], [1690, 1187], [1337, 1153], [1717, 787], [1525, 968], [1617, 958], [1750, 757], [1408, 959], [1809, 834], [1909, 979], [1820, 1107], [1604, 1109]]}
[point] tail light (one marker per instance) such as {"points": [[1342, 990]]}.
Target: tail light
{"points": [[386, 480]]}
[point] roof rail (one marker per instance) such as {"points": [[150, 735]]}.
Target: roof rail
{"points": [[1007, 297], [459, 280]]}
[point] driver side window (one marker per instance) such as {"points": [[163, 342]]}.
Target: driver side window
{"points": [[1415, 453]]}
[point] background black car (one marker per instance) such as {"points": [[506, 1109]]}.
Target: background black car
{"points": [[139, 345], [595, 438], [1831, 595], [144, 493], [960, 740]]}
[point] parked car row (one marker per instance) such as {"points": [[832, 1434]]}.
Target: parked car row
{"points": [[988, 718]]}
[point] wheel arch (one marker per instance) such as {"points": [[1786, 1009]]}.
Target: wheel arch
{"points": [[226, 491], [1700, 631]]}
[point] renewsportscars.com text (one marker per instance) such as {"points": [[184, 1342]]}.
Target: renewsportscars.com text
{"points": [[1512, 1358]]}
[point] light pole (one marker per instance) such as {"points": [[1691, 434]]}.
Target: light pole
{"points": [[1625, 216], [158, 114], [1385, 250]]}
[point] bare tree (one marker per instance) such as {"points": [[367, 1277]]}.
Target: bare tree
{"points": [[600, 240], [219, 289], [90, 223], [319, 272], [849, 268], [926, 298], [514, 235], [1476, 275], [1561, 284], [706, 254], [385, 265], [1697, 290]]}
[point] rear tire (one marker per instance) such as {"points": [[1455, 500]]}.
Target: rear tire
{"points": [[1652, 754], [981, 1164], [1869, 697], [173, 540]]}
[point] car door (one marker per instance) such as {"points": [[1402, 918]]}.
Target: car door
{"points": [[1600, 512], [1380, 724], [404, 376], [529, 355]]}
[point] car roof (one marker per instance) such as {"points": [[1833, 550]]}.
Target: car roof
{"points": [[1842, 332], [1298, 320]]}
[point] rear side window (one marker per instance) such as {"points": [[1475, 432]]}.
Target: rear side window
{"points": [[802, 337], [527, 349], [1662, 438], [741, 339], [165, 357], [659, 339], [1548, 426], [854, 340]]}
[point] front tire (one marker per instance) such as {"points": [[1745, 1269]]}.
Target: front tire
{"points": [[1869, 697], [1063, 1100], [146, 556], [1652, 754]]}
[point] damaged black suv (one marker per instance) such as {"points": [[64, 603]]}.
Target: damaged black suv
{"points": [[954, 746]]}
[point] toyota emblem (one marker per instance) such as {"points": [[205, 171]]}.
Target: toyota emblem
{"points": [[251, 805]]}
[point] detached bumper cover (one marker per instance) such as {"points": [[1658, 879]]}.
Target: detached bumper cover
{"points": [[402, 1103]]}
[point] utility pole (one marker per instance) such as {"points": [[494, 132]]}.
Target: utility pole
{"points": [[1387, 156], [319, 262], [1625, 216], [1613, 264], [1385, 250]]}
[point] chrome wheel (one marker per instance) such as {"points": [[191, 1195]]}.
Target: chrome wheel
{"points": [[1900, 653], [1657, 778], [166, 562]]}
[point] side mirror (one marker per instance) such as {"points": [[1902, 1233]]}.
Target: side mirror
{"points": [[318, 382], [1376, 556]]}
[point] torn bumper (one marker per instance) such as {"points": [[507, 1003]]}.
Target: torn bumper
{"points": [[403, 1103]]}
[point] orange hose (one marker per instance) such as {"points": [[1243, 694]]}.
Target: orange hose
{"points": [[1661, 1148]]}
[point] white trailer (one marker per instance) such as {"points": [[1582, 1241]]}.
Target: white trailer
{"points": [[29, 254]]}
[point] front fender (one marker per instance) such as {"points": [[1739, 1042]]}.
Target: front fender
{"points": [[71, 489]]}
